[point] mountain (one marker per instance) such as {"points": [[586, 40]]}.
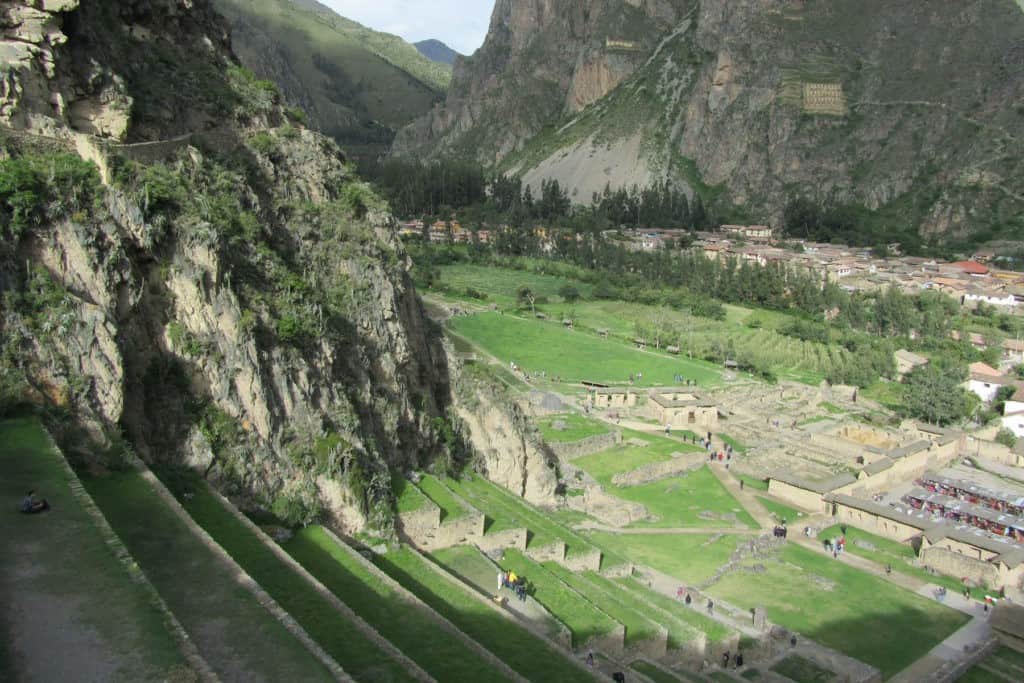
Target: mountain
{"points": [[357, 85], [190, 274], [436, 51], [751, 103]]}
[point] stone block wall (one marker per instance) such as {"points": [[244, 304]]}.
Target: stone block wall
{"points": [[420, 525], [552, 552], [954, 564], [588, 561], [660, 470], [511, 538], [593, 444]]}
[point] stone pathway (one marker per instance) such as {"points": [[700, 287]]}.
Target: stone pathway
{"points": [[746, 498]]}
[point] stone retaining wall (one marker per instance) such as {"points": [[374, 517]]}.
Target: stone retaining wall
{"points": [[954, 670], [607, 509], [420, 524], [552, 552], [950, 563], [411, 599], [588, 446], [456, 532], [661, 470], [655, 647], [371, 633], [511, 538], [124, 556], [581, 562], [242, 576]]}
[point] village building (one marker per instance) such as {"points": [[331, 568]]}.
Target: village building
{"points": [[683, 408], [1013, 412], [607, 397], [964, 553], [906, 361], [984, 381], [751, 232]]}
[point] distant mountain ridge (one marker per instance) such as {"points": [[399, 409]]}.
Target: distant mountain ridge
{"points": [[436, 51], [357, 85], [755, 105]]}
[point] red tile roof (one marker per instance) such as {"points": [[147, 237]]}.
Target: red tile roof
{"points": [[972, 267]]}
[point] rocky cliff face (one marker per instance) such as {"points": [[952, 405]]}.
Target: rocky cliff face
{"points": [[751, 102], [228, 296]]}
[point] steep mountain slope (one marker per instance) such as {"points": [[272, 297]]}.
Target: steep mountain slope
{"points": [[357, 85], [221, 290], [752, 102], [436, 51]]}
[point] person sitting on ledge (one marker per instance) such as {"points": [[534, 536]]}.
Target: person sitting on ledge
{"points": [[30, 506]]}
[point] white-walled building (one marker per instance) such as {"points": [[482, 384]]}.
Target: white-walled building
{"points": [[985, 381]]}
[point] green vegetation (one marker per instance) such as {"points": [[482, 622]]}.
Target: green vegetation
{"points": [[695, 500], [1004, 664], [339, 637], [39, 187], [572, 608], [753, 482], [617, 603], [626, 457], [801, 670], [527, 654], [451, 508], [852, 611], [900, 556], [176, 562], [407, 626], [577, 428], [652, 672], [359, 85], [501, 284], [691, 558], [505, 511], [780, 510], [408, 497], [61, 559], [535, 346], [715, 630]]}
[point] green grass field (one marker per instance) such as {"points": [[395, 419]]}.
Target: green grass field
{"points": [[626, 457], [408, 626], [176, 561], [854, 612], [781, 510], [574, 355], [652, 672], [1004, 664], [680, 502], [532, 657], [900, 556], [801, 670], [358, 655], [67, 603], [501, 284], [689, 558], [581, 616], [577, 428], [451, 507], [408, 498]]}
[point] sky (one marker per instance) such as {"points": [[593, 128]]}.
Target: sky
{"points": [[461, 24]]}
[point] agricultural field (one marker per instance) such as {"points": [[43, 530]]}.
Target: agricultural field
{"points": [[859, 614], [746, 333], [575, 355]]}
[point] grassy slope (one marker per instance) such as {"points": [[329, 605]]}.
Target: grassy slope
{"points": [[852, 611], [581, 616], [359, 656], [177, 562], [58, 563], [692, 616], [679, 501], [415, 633], [451, 508], [536, 345], [339, 71], [627, 457], [532, 657]]}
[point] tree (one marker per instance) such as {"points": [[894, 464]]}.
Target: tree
{"points": [[569, 293], [933, 394], [524, 295]]}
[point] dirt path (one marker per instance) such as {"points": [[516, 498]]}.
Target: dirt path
{"points": [[746, 498], [69, 610]]}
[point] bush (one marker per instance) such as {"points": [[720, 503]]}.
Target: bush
{"points": [[37, 187], [475, 294], [1007, 438]]}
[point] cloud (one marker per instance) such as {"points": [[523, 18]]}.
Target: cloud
{"points": [[462, 24]]}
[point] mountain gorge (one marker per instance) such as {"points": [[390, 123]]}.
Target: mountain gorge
{"points": [[355, 84], [752, 104], [190, 274]]}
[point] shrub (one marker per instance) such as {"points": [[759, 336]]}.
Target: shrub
{"points": [[1007, 438]]}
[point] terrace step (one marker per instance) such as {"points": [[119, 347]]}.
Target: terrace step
{"points": [[334, 627], [431, 640], [524, 647], [238, 629], [66, 563], [592, 626]]}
